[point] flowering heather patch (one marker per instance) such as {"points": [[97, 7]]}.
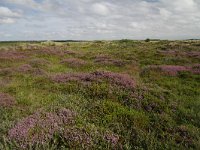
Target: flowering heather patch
{"points": [[57, 51], [38, 72], [69, 52], [62, 78], [112, 138], [37, 62], [6, 71], [194, 54], [174, 70], [4, 82], [77, 136], [6, 100], [12, 55], [119, 79], [40, 127], [51, 50], [102, 57], [172, 53], [106, 60], [196, 66], [74, 62], [195, 69], [26, 68]]}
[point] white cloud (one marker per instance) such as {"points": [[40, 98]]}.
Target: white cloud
{"points": [[6, 12], [8, 16], [6, 21], [100, 9]]}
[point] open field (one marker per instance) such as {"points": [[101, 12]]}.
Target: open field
{"points": [[100, 95]]}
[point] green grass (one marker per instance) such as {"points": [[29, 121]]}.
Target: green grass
{"points": [[162, 112]]}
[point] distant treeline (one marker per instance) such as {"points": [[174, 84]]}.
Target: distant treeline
{"points": [[39, 41], [42, 41]]}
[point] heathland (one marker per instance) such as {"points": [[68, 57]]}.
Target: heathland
{"points": [[100, 95]]}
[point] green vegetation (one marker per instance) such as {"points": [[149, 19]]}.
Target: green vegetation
{"points": [[100, 95]]}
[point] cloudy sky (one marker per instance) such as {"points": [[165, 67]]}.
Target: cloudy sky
{"points": [[99, 19]]}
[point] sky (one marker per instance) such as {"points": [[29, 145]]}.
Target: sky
{"points": [[99, 19]]}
